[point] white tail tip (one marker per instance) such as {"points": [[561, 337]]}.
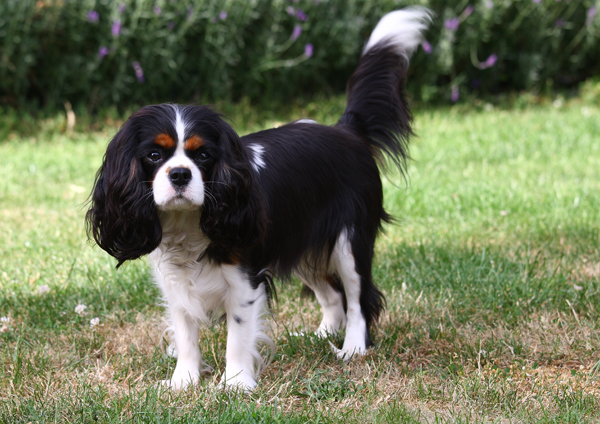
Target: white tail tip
{"points": [[402, 29]]}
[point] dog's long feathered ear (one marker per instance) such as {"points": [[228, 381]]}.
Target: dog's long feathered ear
{"points": [[232, 214], [122, 218]]}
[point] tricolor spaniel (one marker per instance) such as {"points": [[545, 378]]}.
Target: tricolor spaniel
{"points": [[219, 214]]}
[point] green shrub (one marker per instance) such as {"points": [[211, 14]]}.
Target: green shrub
{"points": [[94, 53]]}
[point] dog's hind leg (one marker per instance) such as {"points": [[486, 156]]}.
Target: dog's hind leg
{"points": [[363, 300], [330, 297]]}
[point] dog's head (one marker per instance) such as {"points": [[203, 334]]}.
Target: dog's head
{"points": [[173, 158]]}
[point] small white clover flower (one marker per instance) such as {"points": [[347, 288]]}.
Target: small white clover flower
{"points": [[80, 309], [5, 322], [94, 322], [43, 289]]}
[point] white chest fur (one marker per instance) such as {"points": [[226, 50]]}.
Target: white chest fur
{"points": [[189, 281], [194, 288]]}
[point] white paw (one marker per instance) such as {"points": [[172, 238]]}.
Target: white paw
{"points": [[321, 333], [347, 353], [180, 380], [238, 380], [325, 332]]}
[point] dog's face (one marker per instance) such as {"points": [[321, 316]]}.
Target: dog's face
{"points": [[173, 158], [178, 152]]}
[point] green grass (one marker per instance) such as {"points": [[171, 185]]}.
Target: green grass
{"points": [[492, 277]]}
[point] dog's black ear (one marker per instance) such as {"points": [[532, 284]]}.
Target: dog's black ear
{"points": [[232, 214], [122, 218]]}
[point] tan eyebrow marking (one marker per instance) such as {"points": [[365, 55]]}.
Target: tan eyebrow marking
{"points": [[193, 143], [165, 141]]}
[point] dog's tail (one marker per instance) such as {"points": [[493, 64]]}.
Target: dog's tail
{"points": [[377, 107]]}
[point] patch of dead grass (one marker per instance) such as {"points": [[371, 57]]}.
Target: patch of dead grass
{"points": [[551, 354]]}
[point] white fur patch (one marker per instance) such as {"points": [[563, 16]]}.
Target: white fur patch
{"points": [[305, 121], [195, 290], [356, 326], [257, 161], [180, 129], [402, 29]]}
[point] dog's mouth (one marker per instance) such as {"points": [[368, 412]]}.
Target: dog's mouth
{"points": [[179, 202]]}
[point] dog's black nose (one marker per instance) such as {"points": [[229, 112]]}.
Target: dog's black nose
{"points": [[180, 176]]}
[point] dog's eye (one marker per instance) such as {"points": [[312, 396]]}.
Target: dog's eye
{"points": [[203, 156], [154, 156]]}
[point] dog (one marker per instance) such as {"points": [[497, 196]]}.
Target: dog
{"points": [[219, 215]]}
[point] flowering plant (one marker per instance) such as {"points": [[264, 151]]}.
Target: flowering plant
{"points": [[96, 53]]}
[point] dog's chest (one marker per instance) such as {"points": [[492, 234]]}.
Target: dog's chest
{"points": [[185, 276]]}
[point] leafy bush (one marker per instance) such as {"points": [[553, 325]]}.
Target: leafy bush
{"points": [[94, 53]]}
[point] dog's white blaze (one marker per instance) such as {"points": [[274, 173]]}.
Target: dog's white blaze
{"points": [[257, 161], [402, 29], [180, 130]]}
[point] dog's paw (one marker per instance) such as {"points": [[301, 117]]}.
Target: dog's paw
{"points": [[346, 354], [321, 333], [325, 332], [180, 380], [238, 380]]}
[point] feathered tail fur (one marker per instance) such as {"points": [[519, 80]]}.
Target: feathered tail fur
{"points": [[377, 107]]}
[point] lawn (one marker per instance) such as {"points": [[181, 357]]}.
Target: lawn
{"points": [[491, 273]]}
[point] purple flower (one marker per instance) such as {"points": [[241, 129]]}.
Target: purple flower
{"points": [[455, 94], [171, 25], [452, 24], [591, 13], [116, 28], [157, 10], [103, 51], [296, 32], [489, 4], [490, 61], [308, 50], [427, 47], [560, 22], [290, 10], [537, 1], [93, 16], [121, 8], [223, 15], [301, 15], [468, 10], [139, 73]]}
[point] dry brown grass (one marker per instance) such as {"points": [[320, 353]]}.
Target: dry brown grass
{"points": [[471, 369]]}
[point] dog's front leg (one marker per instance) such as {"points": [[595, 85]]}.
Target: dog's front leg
{"points": [[187, 370], [244, 307]]}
